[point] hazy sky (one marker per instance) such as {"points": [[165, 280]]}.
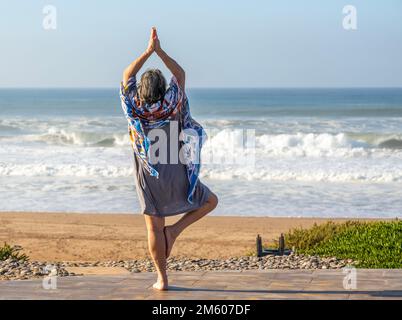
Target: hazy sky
{"points": [[220, 43]]}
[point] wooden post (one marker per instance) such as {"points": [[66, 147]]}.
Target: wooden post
{"points": [[259, 246], [281, 245]]}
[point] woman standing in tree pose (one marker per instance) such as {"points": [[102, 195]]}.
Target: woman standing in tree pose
{"points": [[167, 170]]}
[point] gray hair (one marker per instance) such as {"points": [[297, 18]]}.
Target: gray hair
{"points": [[152, 86]]}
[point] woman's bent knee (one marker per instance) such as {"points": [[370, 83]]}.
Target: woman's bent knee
{"points": [[213, 200], [154, 224]]}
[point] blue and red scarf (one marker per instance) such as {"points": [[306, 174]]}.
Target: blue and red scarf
{"points": [[140, 116]]}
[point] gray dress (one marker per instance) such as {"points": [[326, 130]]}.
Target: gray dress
{"points": [[167, 194]]}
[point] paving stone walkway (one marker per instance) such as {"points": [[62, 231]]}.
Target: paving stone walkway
{"points": [[266, 284]]}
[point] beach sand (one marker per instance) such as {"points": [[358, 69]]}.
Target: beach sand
{"points": [[99, 237]]}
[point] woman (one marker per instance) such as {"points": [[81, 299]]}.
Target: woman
{"points": [[166, 177]]}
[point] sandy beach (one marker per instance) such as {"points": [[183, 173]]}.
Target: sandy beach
{"points": [[97, 237]]}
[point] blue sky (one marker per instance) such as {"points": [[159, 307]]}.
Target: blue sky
{"points": [[255, 43]]}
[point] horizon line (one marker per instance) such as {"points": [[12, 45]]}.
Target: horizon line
{"points": [[218, 88]]}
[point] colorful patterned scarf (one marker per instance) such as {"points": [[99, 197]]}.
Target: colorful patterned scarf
{"points": [[140, 116]]}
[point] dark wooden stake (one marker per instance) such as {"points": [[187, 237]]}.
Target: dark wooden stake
{"points": [[281, 245], [259, 246]]}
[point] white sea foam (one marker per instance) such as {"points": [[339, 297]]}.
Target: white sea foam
{"points": [[308, 144], [90, 161], [66, 170], [57, 136], [272, 172], [299, 157], [83, 138]]}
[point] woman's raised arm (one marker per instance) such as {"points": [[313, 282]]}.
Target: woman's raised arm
{"points": [[137, 64], [170, 63]]}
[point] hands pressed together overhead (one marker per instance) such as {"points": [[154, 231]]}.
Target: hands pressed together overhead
{"points": [[154, 43], [154, 46]]}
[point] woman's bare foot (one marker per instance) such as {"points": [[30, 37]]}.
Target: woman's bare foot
{"points": [[170, 239], [160, 284]]}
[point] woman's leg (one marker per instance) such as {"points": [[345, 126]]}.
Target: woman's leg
{"points": [[157, 248], [173, 231]]}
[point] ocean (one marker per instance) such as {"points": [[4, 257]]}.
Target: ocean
{"points": [[318, 152]]}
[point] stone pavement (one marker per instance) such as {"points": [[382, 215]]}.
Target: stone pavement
{"points": [[264, 284]]}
